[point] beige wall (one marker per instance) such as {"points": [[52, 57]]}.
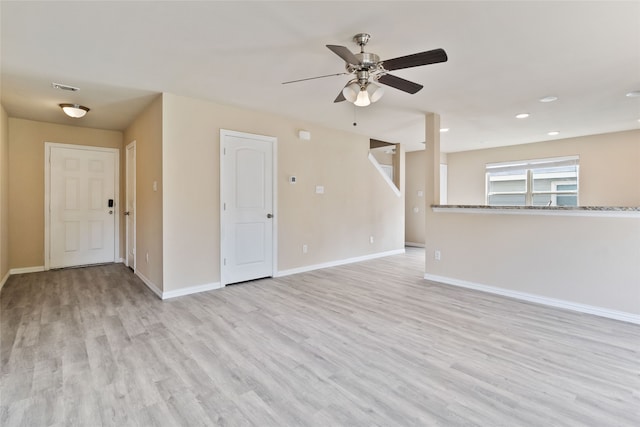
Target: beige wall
{"points": [[336, 225], [609, 171], [146, 131], [588, 260], [415, 182], [4, 195], [592, 261], [382, 157], [26, 182]]}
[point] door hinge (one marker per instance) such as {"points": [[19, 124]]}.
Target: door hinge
{"points": [[224, 261], [224, 151], [224, 206]]}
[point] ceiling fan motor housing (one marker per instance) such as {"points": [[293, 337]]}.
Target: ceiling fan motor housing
{"points": [[368, 60]]}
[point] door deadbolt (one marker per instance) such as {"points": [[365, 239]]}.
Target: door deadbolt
{"points": [[269, 215]]}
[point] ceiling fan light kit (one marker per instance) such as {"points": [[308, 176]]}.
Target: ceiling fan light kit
{"points": [[368, 70]]}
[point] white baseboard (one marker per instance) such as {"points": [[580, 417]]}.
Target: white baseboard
{"points": [[24, 270], [4, 279], [553, 302], [414, 244], [191, 290], [337, 263], [149, 283], [119, 260], [178, 292]]}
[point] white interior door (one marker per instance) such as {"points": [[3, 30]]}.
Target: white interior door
{"points": [[82, 206], [247, 224], [130, 208]]}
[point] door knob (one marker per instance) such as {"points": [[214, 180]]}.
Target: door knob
{"points": [[269, 215]]}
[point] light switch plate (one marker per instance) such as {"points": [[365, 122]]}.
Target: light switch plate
{"points": [[319, 189]]}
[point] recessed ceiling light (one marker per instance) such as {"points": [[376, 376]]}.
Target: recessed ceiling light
{"points": [[553, 133], [549, 98], [633, 94], [444, 130], [522, 116]]}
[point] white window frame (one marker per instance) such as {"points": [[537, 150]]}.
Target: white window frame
{"points": [[529, 166]]}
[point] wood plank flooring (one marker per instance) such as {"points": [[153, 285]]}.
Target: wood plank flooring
{"points": [[369, 344]]}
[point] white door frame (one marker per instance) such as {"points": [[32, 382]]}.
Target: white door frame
{"points": [[274, 194], [130, 146], [47, 196]]}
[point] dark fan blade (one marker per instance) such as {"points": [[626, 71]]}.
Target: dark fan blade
{"points": [[344, 53], [340, 97], [313, 78], [417, 59], [398, 83]]}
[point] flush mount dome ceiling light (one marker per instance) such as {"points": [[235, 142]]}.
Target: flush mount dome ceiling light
{"points": [[74, 110], [633, 94]]}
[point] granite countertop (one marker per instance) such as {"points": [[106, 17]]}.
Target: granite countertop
{"points": [[554, 208], [546, 208]]}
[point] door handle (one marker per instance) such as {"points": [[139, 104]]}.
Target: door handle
{"points": [[127, 213], [269, 215]]}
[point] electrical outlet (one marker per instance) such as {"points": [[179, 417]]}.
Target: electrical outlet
{"points": [[305, 249], [436, 255]]}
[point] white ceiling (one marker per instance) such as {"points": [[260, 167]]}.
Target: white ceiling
{"points": [[503, 57]]}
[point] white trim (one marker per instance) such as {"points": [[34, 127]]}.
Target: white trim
{"points": [[178, 292], [526, 164], [386, 178], [191, 290], [24, 270], [338, 262], [414, 244], [538, 299], [149, 283], [131, 146], [4, 279], [274, 207], [47, 190], [542, 211], [120, 260]]}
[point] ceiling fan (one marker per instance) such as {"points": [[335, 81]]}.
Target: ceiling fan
{"points": [[367, 69]]}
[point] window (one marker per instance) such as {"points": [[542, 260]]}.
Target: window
{"points": [[543, 182]]}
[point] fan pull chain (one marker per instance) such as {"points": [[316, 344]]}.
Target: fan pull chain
{"points": [[355, 123]]}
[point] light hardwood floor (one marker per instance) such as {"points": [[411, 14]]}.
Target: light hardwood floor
{"points": [[364, 344]]}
